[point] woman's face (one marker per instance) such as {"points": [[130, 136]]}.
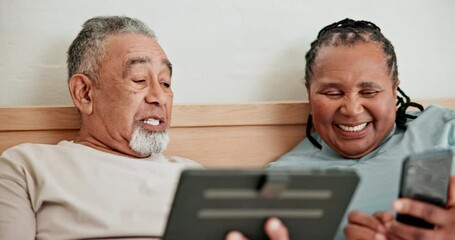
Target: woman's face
{"points": [[352, 98]]}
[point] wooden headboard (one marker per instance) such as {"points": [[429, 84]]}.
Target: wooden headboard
{"points": [[215, 135]]}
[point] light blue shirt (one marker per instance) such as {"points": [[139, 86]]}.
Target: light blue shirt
{"points": [[379, 170]]}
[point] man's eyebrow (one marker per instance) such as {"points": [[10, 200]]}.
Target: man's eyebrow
{"points": [[168, 64], [133, 61], [137, 60], [143, 60]]}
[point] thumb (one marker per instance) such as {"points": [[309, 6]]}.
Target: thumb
{"points": [[235, 235], [276, 230]]}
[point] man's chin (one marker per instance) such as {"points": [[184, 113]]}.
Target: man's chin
{"points": [[147, 143]]}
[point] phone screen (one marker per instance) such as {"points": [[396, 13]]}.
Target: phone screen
{"points": [[425, 177]]}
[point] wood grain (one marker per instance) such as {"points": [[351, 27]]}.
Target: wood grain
{"points": [[215, 135]]}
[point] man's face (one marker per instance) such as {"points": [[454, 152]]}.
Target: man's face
{"points": [[134, 94], [352, 98]]}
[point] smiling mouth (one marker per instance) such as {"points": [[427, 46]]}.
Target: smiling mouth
{"points": [[357, 128], [152, 121]]}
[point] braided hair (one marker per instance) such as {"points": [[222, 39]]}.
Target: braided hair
{"points": [[349, 32]]}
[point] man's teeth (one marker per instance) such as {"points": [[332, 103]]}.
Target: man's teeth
{"points": [[151, 121], [353, 129]]}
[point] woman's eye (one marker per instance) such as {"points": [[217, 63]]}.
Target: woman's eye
{"points": [[139, 81], [333, 94], [369, 93]]}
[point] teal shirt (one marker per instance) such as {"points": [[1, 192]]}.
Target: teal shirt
{"points": [[379, 170]]}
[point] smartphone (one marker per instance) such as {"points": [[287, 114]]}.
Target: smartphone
{"points": [[425, 177]]}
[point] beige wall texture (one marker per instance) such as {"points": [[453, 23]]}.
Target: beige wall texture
{"points": [[224, 50]]}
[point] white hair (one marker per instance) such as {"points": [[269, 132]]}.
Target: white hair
{"points": [[147, 143]]}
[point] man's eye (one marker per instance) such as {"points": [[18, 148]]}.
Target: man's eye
{"points": [[139, 81], [165, 84]]}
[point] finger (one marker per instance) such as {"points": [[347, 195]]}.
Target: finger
{"points": [[384, 217], [393, 237], [451, 194], [403, 231], [357, 232], [235, 235], [276, 230], [428, 212], [365, 220]]}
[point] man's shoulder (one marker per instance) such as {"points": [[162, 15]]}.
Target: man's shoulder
{"points": [[181, 160], [25, 148], [27, 152], [26, 157]]}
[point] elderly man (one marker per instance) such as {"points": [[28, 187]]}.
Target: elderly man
{"points": [[112, 181]]}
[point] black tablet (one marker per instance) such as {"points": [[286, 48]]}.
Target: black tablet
{"points": [[210, 203]]}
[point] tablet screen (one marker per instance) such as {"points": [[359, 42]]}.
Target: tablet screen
{"points": [[210, 203]]}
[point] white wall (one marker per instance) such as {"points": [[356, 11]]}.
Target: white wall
{"points": [[224, 50]]}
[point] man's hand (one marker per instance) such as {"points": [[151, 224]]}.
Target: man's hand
{"points": [[362, 226], [274, 228], [443, 219]]}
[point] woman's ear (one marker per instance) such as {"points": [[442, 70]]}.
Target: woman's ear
{"points": [[81, 89], [395, 88], [308, 95]]}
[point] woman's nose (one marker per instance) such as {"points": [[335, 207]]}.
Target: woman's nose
{"points": [[352, 107]]}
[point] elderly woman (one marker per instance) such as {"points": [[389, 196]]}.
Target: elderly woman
{"points": [[353, 89]]}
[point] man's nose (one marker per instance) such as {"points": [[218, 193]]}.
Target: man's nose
{"points": [[156, 94], [352, 107]]}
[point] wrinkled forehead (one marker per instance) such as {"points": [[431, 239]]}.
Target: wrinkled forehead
{"points": [[131, 49], [130, 42]]}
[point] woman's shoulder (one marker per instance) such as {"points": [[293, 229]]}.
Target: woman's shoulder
{"points": [[434, 114]]}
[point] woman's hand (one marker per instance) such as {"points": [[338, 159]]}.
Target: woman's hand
{"points": [[442, 218], [362, 226]]}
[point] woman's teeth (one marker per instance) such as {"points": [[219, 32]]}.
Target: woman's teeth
{"points": [[151, 121], [353, 129]]}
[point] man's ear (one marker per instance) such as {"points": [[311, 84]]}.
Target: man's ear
{"points": [[81, 88]]}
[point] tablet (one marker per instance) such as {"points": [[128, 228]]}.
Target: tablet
{"points": [[210, 203]]}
